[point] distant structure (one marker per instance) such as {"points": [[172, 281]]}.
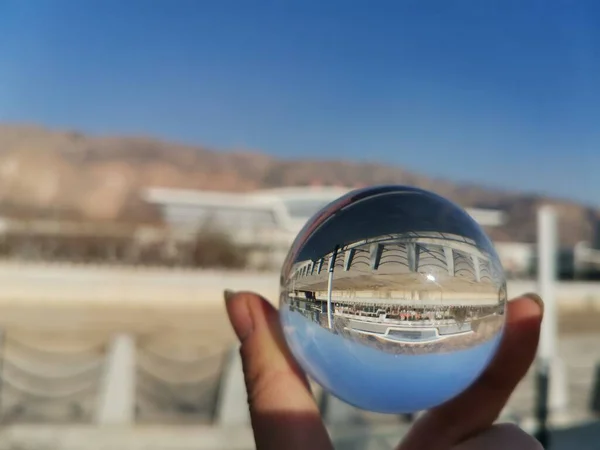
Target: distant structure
{"points": [[263, 222], [269, 219], [286, 208]]}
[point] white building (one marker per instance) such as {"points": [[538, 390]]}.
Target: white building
{"points": [[271, 217], [282, 209]]}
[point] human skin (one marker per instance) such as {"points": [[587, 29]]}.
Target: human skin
{"points": [[284, 414]]}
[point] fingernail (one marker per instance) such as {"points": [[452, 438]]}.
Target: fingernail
{"points": [[536, 298], [228, 294], [239, 314]]}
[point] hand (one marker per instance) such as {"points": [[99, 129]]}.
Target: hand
{"points": [[285, 415]]}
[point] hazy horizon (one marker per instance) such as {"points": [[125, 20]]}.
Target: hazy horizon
{"points": [[249, 151]]}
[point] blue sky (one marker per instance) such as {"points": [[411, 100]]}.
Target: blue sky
{"points": [[502, 92]]}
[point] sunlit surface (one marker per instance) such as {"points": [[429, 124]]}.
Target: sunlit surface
{"points": [[392, 298]]}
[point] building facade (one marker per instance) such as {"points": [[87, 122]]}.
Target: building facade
{"points": [[267, 220]]}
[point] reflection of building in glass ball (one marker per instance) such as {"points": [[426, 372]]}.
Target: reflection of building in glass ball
{"points": [[388, 273], [406, 288]]}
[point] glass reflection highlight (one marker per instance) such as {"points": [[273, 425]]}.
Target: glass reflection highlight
{"points": [[393, 299]]}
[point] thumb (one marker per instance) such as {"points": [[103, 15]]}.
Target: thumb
{"points": [[283, 411]]}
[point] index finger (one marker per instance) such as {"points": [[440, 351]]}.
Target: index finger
{"points": [[480, 405]]}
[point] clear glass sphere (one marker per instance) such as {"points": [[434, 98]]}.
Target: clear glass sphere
{"points": [[393, 299]]}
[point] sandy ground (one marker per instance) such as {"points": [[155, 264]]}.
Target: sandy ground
{"points": [[181, 355], [180, 359], [182, 333], [60, 320]]}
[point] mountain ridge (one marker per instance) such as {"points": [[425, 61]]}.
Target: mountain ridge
{"points": [[70, 174]]}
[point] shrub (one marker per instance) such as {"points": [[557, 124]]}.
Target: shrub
{"points": [[213, 248]]}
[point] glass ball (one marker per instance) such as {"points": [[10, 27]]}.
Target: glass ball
{"points": [[393, 299]]}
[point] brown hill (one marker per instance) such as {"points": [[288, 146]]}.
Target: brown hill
{"points": [[66, 174]]}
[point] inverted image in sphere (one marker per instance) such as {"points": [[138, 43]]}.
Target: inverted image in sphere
{"points": [[393, 299]]}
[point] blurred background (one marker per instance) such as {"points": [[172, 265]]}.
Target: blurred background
{"points": [[153, 154]]}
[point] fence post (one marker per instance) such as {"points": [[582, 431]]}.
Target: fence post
{"points": [[232, 403], [551, 386], [116, 402]]}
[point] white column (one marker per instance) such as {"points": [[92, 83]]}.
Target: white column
{"points": [[320, 265], [116, 402], [476, 268], [579, 259], [413, 256], [546, 280], [547, 358], [375, 252], [232, 403], [330, 287], [449, 255], [348, 259]]}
